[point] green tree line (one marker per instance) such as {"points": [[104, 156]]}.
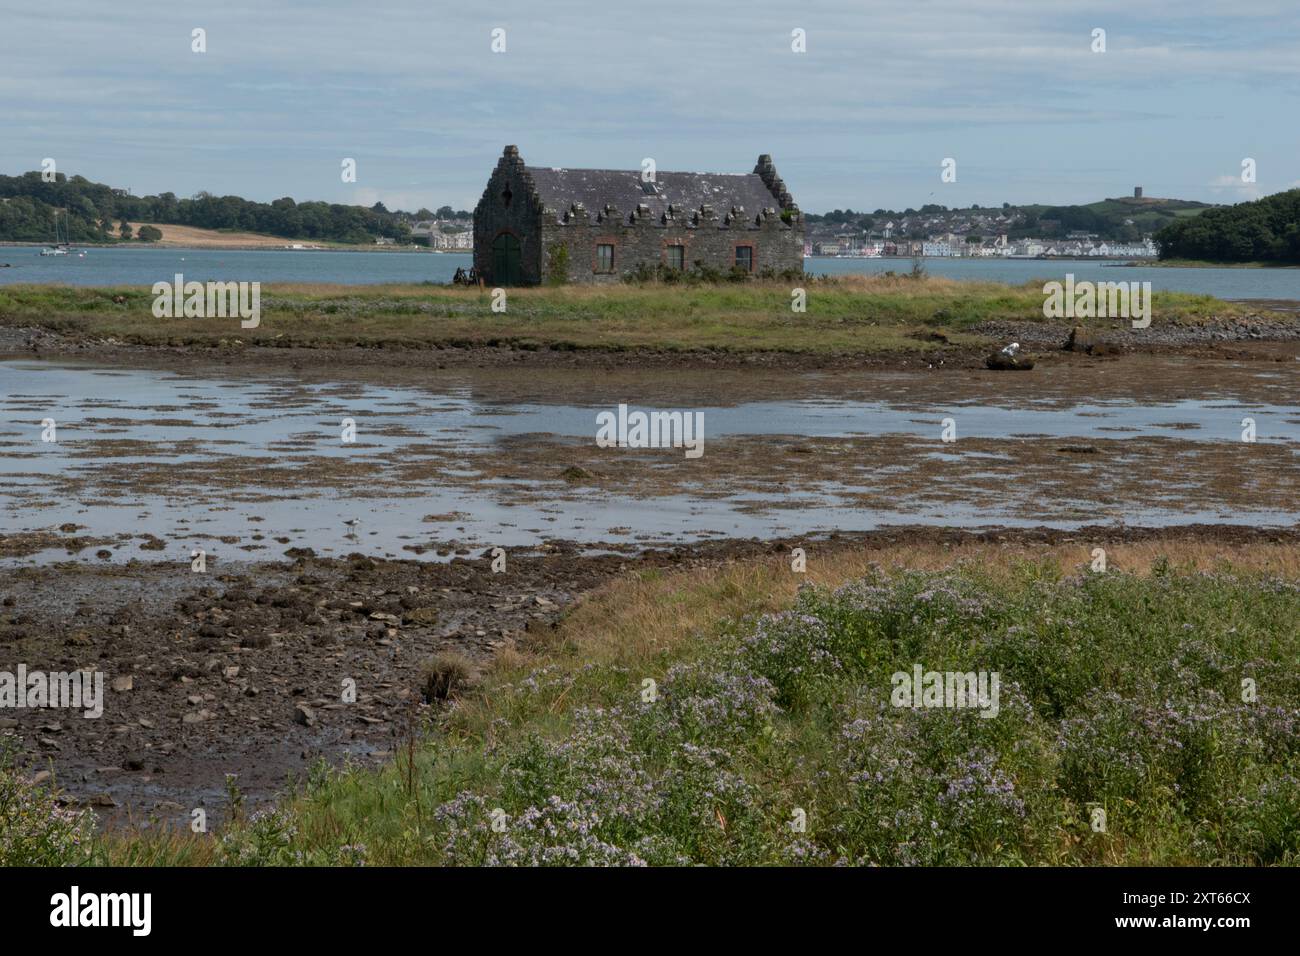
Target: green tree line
{"points": [[96, 212], [1266, 230]]}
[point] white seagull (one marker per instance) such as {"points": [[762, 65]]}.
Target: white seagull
{"points": [[1011, 349]]}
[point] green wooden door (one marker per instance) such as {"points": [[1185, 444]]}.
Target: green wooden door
{"points": [[505, 260]]}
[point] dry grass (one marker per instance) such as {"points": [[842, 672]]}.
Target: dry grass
{"points": [[631, 621], [446, 674], [192, 237]]}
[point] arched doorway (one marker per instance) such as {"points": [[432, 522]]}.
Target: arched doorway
{"points": [[505, 260]]}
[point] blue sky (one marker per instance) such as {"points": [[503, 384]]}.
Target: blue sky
{"points": [[1010, 89]]}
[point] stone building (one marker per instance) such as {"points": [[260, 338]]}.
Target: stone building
{"points": [[594, 225]]}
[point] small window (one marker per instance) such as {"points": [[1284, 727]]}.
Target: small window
{"points": [[604, 257], [675, 257], [745, 257]]}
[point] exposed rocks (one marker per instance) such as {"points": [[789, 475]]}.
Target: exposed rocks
{"points": [[1002, 362], [425, 616], [1085, 340], [1114, 336], [239, 671], [1079, 340]]}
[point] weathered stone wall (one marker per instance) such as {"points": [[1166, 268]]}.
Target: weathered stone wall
{"points": [[707, 240], [521, 217]]}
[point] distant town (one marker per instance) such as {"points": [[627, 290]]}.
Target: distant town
{"points": [[1074, 246], [1111, 228], [452, 235], [444, 232]]}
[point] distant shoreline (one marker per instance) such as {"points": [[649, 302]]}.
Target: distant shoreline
{"points": [[94, 246], [1211, 264], [1114, 261]]}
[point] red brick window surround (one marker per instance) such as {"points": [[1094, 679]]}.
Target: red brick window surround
{"points": [[604, 258], [675, 256]]}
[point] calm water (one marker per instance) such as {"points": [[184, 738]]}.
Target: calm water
{"points": [[1221, 283], [144, 266], [114, 266]]}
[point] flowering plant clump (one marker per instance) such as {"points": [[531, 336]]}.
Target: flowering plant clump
{"points": [[980, 799], [1266, 819], [794, 652], [34, 829], [265, 839], [558, 833]]}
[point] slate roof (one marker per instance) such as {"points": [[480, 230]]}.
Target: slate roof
{"points": [[594, 188]]}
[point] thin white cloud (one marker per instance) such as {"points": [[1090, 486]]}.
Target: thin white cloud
{"points": [[414, 91]]}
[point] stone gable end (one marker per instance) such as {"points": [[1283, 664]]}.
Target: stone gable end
{"points": [[595, 225]]}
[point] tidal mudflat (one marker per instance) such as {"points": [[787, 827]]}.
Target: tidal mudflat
{"points": [[155, 463]]}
